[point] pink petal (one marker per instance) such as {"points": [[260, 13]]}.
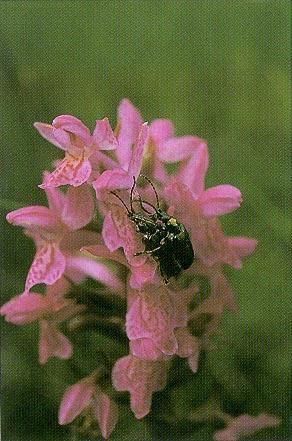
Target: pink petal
{"points": [[141, 403], [219, 200], [188, 347], [123, 233], [193, 362], [161, 130], [221, 289], [24, 308], [53, 343], [110, 234], [96, 270], [106, 413], [181, 200], [145, 349], [78, 209], [247, 424], [225, 434], [71, 170], [187, 344], [209, 241], [47, 267], [180, 300], [194, 172], [73, 125], [207, 236], [112, 180], [121, 381], [177, 149], [158, 172], [103, 252], [34, 216], [49, 133], [141, 378], [56, 199], [129, 124], [151, 316], [75, 399], [103, 135], [243, 246], [145, 273], [138, 151], [62, 137]]}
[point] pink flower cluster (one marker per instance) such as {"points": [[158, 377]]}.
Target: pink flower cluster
{"points": [[159, 319]]}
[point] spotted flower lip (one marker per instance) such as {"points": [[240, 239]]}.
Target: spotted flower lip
{"points": [[58, 235], [152, 319], [69, 134], [141, 378]]}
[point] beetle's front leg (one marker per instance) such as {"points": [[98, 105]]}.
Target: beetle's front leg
{"points": [[148, 251], [169, 237]]}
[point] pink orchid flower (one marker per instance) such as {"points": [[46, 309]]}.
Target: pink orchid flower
{"points": [[198, 210], [50, 311], [154, 313], [118, 230], [71, 135], [245, 425], [141, 378], [119, 179], [87, 396], [162, 145], [58, 238]]}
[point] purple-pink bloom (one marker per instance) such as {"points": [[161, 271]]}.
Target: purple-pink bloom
{"points": [[162, 144], [50, 311], [121, 177], [71, 135], [118, 230], [87, 395], [141, 378], [198, 209], [58, 238]]}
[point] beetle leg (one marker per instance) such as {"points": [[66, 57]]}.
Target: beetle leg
{"points": [[139, 253], [169, 236], [148, 251]]}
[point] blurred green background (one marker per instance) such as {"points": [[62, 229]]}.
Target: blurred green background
{"points": [[218, 69]]}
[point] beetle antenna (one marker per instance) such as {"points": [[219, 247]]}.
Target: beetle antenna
{"points": [[141, 202], [154, 189], [131, 193], [120, 199], [150, 205]]}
